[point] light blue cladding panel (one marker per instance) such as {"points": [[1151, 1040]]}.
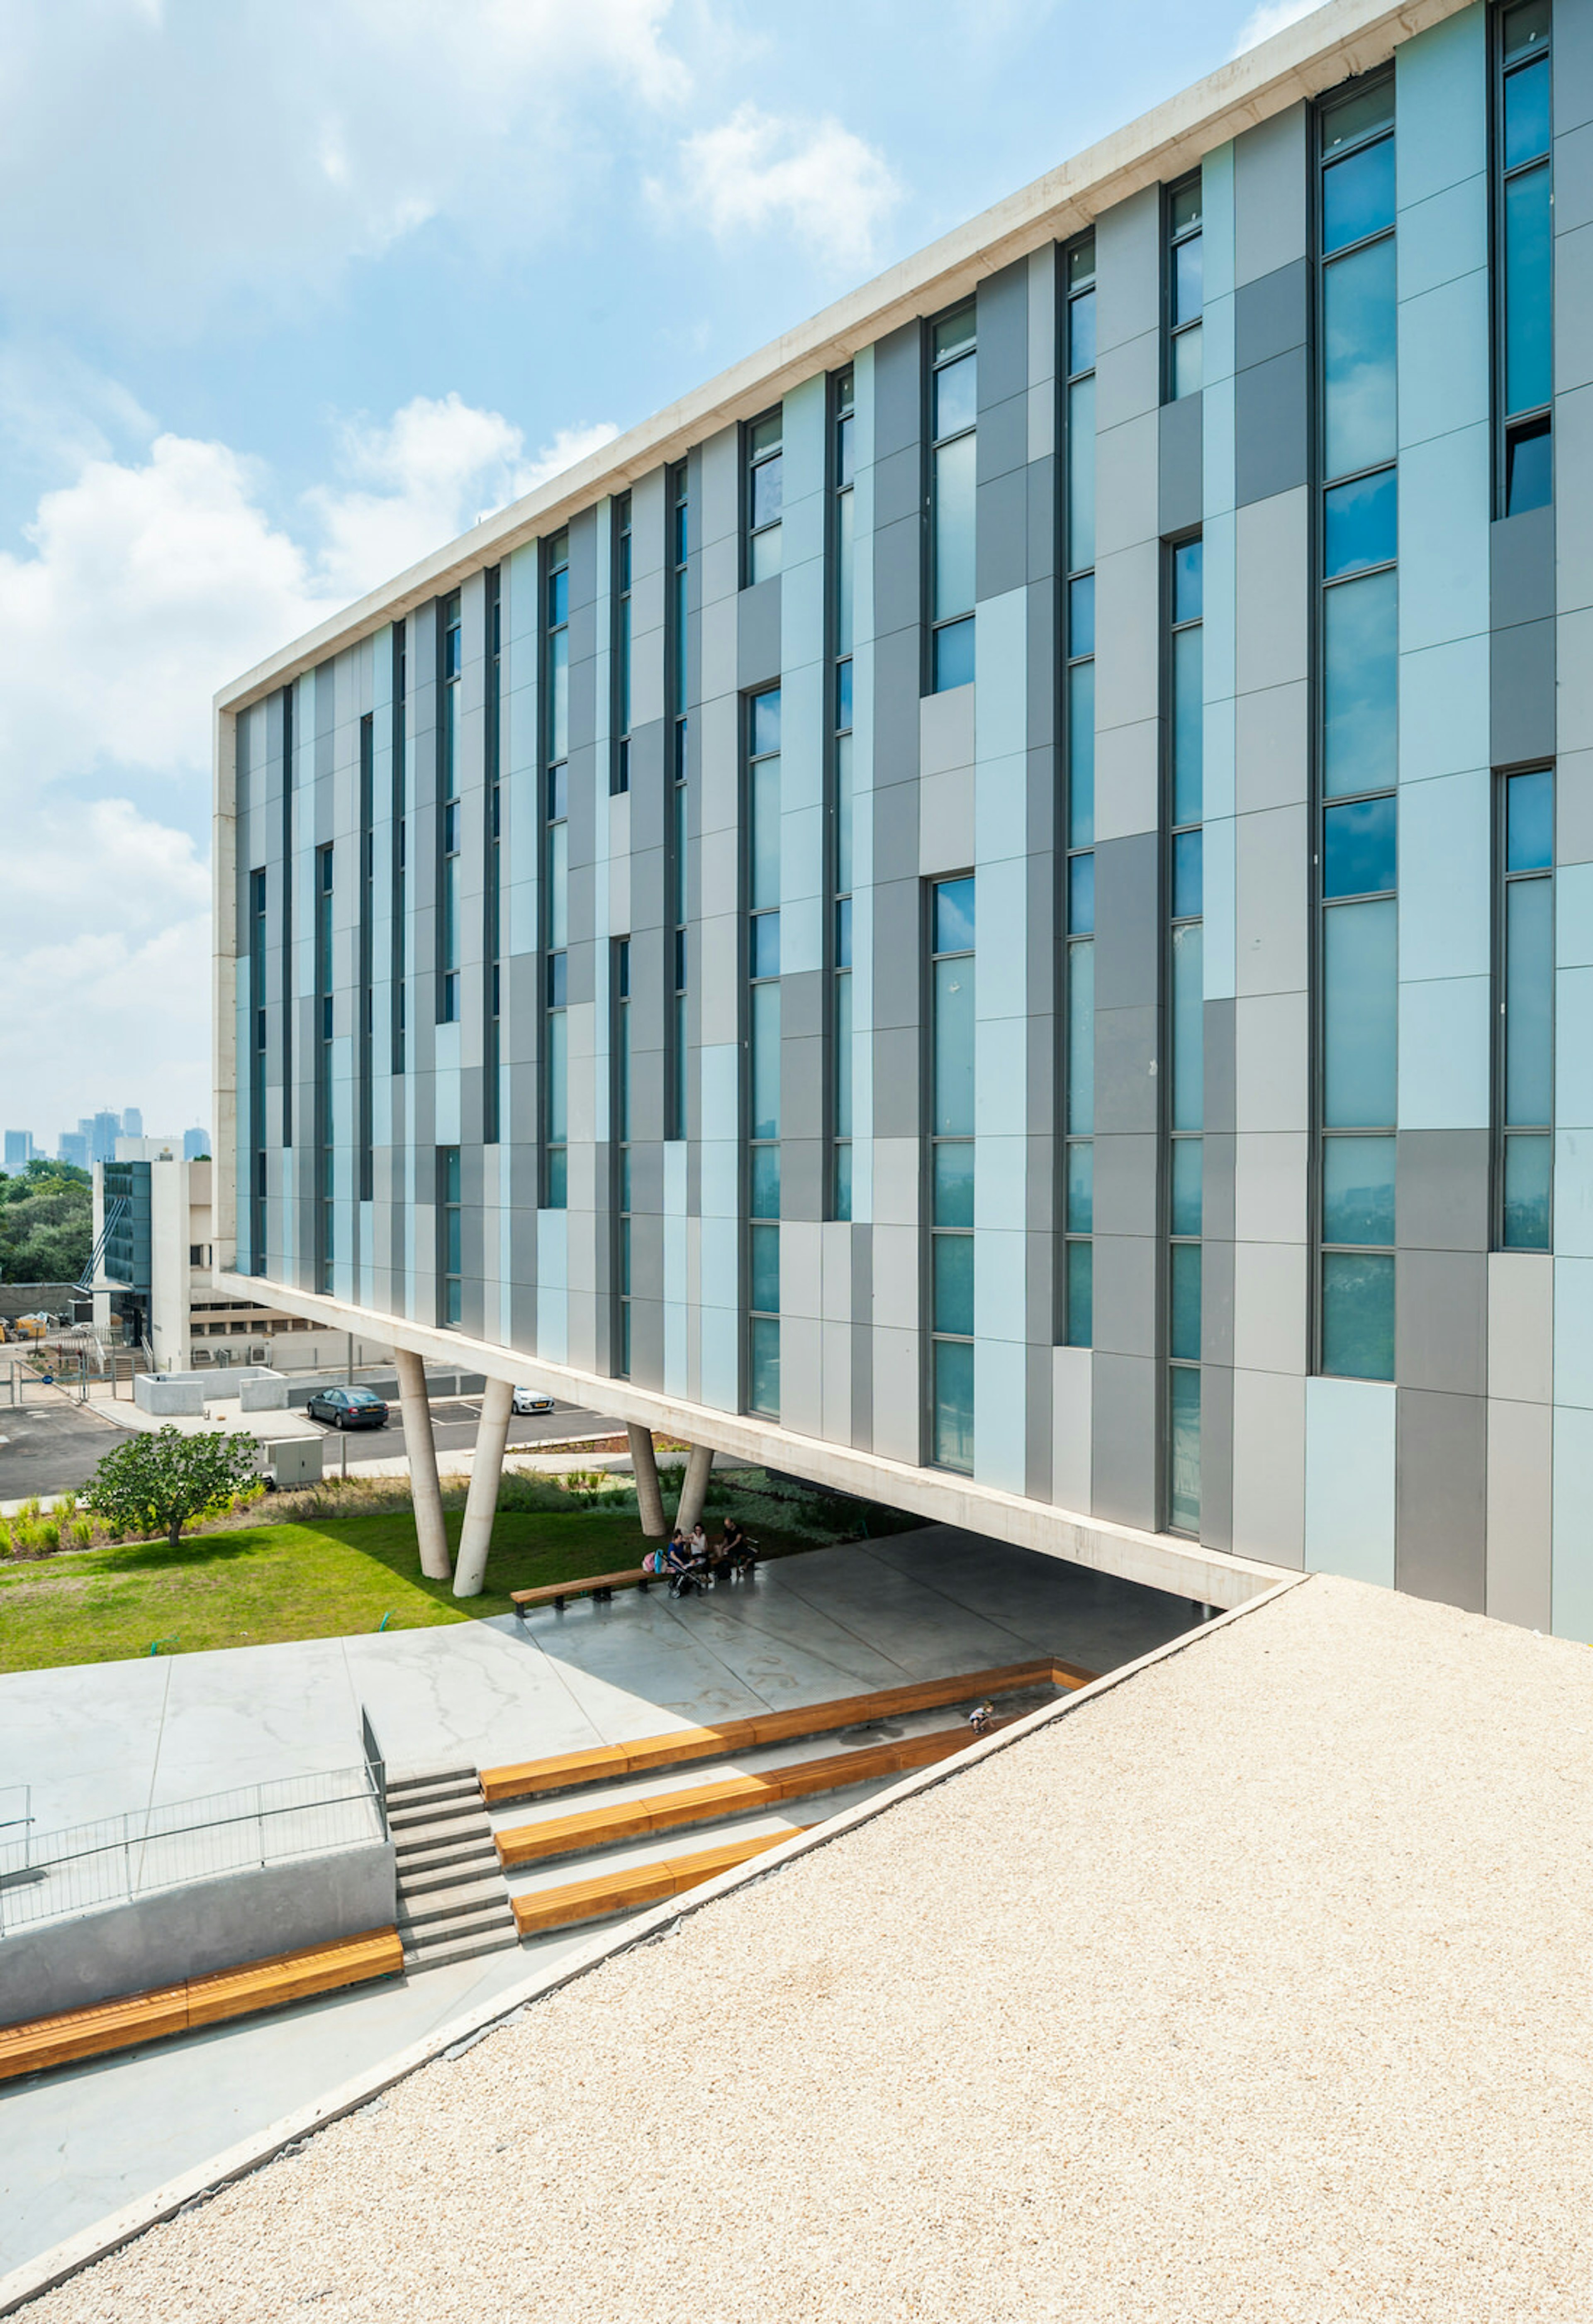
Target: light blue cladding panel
{"points": [[1446, 838], [1349, 1478], [1572, 1587]]}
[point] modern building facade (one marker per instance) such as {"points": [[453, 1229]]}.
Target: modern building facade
{"points": [[998, 907]]}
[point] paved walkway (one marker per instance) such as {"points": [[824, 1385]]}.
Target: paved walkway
{"points": [[105, 1738]]}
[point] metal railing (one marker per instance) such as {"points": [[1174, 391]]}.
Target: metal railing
{"points": [[375, 1765], [87, 1867]]}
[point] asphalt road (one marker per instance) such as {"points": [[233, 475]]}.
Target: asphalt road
{"points": [[454, 1424]]}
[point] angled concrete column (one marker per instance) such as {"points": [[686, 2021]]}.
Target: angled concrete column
{"points": [[650, 1501], [421, 1447], [481, 1506], [699, 1462]]}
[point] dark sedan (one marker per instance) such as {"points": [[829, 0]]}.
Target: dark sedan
{"points": [[348, 1407]]}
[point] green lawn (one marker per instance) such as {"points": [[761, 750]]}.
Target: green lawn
{"points": [[329, 1578]]}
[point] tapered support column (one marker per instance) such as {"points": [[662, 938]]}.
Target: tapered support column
{"points": [[699, 1462], [421, 1447], [650, 1501], [481, 1506]]}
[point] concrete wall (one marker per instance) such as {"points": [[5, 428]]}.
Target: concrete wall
{"points": [[193, 1930]]}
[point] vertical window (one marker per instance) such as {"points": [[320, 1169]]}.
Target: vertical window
{"points": [[1184, 1097], [763, 1061], [765, 495], [1078, 901], [951, 1173], [1358, 992], [367, 933], [622, 769], [399, 840], [286, 969], [1524, 240], [1524, 1108], [326, 1156], [492, 902], [840, 708], [556, 871], [450, 1270], [676, 856], [953, 415], [451, 695], [257, 990], [1186, 294], [622, 993]]}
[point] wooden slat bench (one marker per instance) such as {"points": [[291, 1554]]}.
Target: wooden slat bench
{"points": [[628, 1887], [595, 1585], [268, 1984], [633, 1819], [609, 1762]]}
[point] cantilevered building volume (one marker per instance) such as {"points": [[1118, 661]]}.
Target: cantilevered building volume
{"points": [[997, 906]]}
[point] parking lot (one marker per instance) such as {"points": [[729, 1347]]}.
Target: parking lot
{"points": [[454, 1421], [50, 1444]]}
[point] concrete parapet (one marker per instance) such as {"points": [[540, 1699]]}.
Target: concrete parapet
{"points": [[169, 1395], [263, 1391]]}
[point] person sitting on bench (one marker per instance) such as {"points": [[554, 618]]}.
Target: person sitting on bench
{"points": [[733, 1552], [678, 1562]]}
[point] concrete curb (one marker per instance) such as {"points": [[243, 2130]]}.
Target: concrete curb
{"points": [[191, 2188]]}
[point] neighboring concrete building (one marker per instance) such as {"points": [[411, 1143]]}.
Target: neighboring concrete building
{"points": [[862, 924], [20, 1148], [154, 1282]]}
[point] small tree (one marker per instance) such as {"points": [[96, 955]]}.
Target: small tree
{"points": [[155, 1482]]}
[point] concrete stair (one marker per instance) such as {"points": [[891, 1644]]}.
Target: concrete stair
{"points": [[452, 1902]]}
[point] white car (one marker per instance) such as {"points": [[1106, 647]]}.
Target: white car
{"points": [[532, 1399]]}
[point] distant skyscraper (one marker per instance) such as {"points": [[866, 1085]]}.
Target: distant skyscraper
{"points": [[19, 1149], [102, 1130], [195, 1144], [72, 1145], [132, 1122]]}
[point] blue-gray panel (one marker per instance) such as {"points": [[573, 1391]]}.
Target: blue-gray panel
{"points": [[1123, 1439], [802, 1176], [1125, 1182], [1442, 1189], [1002, 535], [1125, 1302], [1125, 1043], [1216, 1456], [1179, 466], [758, 634], [896, 1110], [1441, 1323], [1441, 1498], [1270, 316], [899, 585], [1217, 1159], [1041, 481], [1003, 435], [1521, 557], [1522, 692], [1272, 431], [1003, 322], [1217, 1280], [1127, 921], [898, 412]]}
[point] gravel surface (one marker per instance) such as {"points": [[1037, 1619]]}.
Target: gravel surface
{"points": [[1257, 1989]]}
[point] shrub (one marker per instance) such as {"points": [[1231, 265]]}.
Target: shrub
{"points": [[48, 1534], [5, 1538], [82, 1531]]}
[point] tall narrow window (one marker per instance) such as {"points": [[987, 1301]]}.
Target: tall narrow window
{"points": [[1184, 1097], [367, 935], [327, 1152], [285, 970], [765, 495], [621, 767], [1078, 901], [399, 840], [763, 1063], [450, 1239], [840, 705], [492, 902], [622, 993], [555, 875], [951, 1174], [1524, 239], [257, 1065], [1186, 295], [1524, 1067], [953, 417], [450, 691], [1358, 757], [676, 865]]}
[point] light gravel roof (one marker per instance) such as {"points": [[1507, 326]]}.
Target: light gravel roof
{"points": [[1254, 1987]]}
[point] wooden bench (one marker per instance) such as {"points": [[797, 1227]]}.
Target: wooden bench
{"points": [[600, 1586], [740, 1795], [267, 1984], [610, 1762], [628, 1887]]}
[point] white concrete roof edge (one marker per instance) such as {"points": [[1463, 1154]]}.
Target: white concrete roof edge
{"points": [[1184, 1569], [1333, 44], [69, 2258]]}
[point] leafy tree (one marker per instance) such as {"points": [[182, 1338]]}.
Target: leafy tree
{"points": [[158, 1481], [46, 1223]]}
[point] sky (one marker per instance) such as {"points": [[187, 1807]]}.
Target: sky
{"points": [[294, 291]]}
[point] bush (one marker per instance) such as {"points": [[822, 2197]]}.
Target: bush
{"points": [[82, 1531], [5, 1538], [49, 1535], [156, 1483]]}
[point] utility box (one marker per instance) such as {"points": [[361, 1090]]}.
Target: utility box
{"points": [[289, 1461]]}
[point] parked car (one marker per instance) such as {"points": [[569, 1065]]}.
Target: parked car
{"points": [[347, 1408], [532, 1399]]}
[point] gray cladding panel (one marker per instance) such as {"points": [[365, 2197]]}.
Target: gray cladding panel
{"points": [[1271, 427], [1442, 1189], [1442, 1497], [1181, 483], [1521, 560], [1123, 1439], [758, 634], [1521, 683], [1127, 921], [1270, 316]]}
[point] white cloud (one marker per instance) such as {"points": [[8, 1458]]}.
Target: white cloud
{"points": [[816, 179], [146, 585], [1272, 16]]}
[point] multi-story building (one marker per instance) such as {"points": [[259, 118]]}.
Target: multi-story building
{"points": [[997, 906], [20, 1148], [72, 1147]]}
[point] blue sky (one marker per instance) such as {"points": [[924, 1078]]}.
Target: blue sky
{"points": [[292, 292]]}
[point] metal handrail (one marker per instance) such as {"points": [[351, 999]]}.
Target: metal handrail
{"points": [[375, 1767]]}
